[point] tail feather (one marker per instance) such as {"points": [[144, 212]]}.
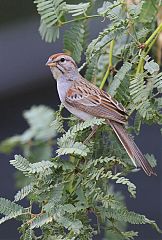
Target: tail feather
{"points": [[131, 148]]}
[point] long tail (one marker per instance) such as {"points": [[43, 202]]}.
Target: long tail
{"points": [[133, 151]]}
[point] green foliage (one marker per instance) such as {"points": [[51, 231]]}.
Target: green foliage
{"points": [[77, 9], [107, 9], [151, 66], [71, 133], [7, 207], [50, 11], [39, 119], [151, 160], [23, 192], [142, 88], [77, 179], [40, 220], [20, 163], [28, 234], [74, 39], [119, 77], [49, 34], [104, 38], [149, 11], [58, 122], [134, 10], [71, 147], [10, 210], [62, 188], [114, 234], [7, 145]]}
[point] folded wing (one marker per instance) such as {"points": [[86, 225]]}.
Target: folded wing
{"points": [[88, 98]]}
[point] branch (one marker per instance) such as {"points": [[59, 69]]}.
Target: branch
{"points": [[148, 45], [79, 19], [110, 64]]}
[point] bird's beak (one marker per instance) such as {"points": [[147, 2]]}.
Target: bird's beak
{"points": [[50, 63]]}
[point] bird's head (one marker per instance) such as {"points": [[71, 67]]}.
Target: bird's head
{"points": [[61, 65]]}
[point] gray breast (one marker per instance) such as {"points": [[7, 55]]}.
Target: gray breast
{"points": [[62, 87]]}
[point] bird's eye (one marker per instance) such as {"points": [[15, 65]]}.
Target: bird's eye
{"points": [[62, 59]]}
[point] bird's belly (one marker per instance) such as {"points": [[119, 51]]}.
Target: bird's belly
{"points": [[78, 113]]}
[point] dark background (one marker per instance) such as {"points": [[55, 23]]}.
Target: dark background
{"points": [[26, 81]]}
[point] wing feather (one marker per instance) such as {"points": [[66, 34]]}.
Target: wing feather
{"points": [[90, 99]]}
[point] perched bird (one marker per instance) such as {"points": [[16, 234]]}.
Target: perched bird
{"points": [[85, 100]]}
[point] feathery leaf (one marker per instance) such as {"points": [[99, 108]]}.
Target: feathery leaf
{"points": [[20, 163], [49, 34], [74, 40], [7, 207], [119, 77], [23, 192], [77, 9], [50, 11], [71, 147]]}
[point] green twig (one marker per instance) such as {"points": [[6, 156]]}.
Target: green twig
{"points": [[140, 63], [153, 35], [80, 19], [110, 64], [148, 45], [151, 44]]}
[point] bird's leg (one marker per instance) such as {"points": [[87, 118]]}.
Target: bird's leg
{"points": [[94, 129]]}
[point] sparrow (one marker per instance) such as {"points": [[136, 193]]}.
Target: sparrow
{"points": [[86, 101]]}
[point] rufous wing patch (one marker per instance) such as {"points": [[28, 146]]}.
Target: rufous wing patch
{"points": [[70, 92]]}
